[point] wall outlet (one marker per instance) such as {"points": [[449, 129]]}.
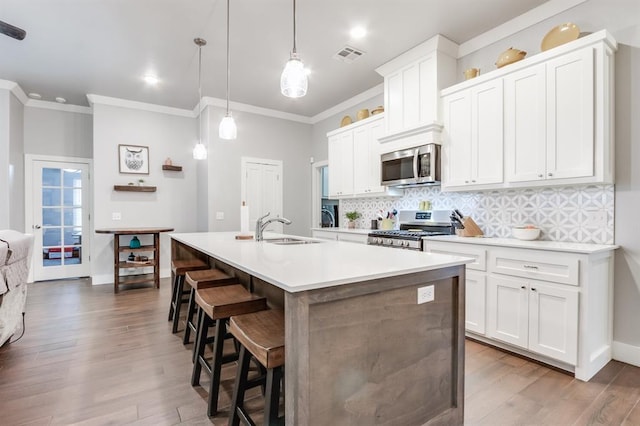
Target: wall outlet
{"points": [[219, 215], [596, 218], [426, 294], [116, 216]]}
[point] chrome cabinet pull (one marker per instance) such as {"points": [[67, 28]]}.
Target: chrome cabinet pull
{"points": [[530, 267]]}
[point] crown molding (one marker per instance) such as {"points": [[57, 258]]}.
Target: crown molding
{"points": [[14, 88], [33, 103], [125, 103], [237, 106], [349, 103], [517, 24]]}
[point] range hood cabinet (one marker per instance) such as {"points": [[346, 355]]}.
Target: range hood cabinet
{"points": [[412, 84]]}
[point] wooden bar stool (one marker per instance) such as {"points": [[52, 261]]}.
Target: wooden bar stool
{"points": [[217, 304], [260, 334], [197, 280], [179, 268]]}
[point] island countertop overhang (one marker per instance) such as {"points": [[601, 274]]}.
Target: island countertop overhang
{"points": [[296, 268]]}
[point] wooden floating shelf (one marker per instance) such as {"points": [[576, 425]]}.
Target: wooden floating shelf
{"points": [[172, 168], [124, 264], [141, 248], [134, 188]]}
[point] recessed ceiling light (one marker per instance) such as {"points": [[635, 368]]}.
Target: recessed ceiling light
{"points": [[33, 95], [151, 79], [358, 32], [61, 100]]}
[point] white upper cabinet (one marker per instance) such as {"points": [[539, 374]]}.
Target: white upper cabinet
{"points": [[412, 84], [354, 160], [549, 119], [473, 136], [341, 165], [551, 115], [570, 115], [524, 126]]}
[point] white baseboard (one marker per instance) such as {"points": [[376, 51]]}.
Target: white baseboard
{"points": [[626, 353], [108, 278]]}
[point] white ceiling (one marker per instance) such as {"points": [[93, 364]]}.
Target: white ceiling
{"points": [[104, 47]]}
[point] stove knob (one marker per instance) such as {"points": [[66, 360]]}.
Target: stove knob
{"points": [[406, 243]]}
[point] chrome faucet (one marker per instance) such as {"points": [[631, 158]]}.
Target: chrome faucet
{"points": [[261, 225]]}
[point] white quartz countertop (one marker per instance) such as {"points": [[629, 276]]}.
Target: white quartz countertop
{"points": [[345, 230], [535, 245], [301, 267]]}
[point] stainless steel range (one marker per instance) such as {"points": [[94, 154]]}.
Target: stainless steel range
{"points": [[413, 226]]}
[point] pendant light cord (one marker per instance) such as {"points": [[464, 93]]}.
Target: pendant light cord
{"points": [[228, 72], [294, 27], [199, 93]]}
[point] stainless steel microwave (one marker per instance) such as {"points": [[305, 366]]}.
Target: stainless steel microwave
{"points": [[412, 167]]}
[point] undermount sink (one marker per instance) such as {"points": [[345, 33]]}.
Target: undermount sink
{"points": [[289, 241]]}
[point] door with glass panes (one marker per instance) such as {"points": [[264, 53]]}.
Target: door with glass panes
{"points": [[60, 220]]}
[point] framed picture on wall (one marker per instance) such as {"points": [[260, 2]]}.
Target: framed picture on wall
{"points": [[134, 159]]}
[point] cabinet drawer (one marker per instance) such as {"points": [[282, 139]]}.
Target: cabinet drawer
{"points": [[548, 266], [353, 238], [479, 254]]}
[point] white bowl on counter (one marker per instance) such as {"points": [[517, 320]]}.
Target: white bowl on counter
{"points": [[525, 233]]}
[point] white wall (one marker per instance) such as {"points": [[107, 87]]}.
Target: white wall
{"points": [[11, 162], [174, 203], [16, 164], [627, 199], [58, 133], [4, 157], [259, 137]]}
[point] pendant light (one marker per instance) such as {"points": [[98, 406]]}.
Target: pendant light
{"points": [[228, 129], [293, 81], [200, 151]]}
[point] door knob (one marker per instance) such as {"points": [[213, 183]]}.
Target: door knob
{"points": [[36, 226]]}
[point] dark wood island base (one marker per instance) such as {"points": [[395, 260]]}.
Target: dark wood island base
{"points": [[367, 353]]}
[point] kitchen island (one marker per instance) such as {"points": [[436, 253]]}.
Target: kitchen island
{"points": [[360, 349]]}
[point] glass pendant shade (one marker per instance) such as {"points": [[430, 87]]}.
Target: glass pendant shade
{"points": [[228, 129], [199, 151], [293, 81]]}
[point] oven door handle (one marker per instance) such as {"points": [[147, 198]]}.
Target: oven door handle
{"points": [[416, 157]]}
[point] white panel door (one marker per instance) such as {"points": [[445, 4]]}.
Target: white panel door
{"points": [[457, 139], [553, 321], [60, 219], [487, 133], [570, 101], [341, 164], [507, 310], [361, 142], [475, 301], [262, 184], [524, 124]]}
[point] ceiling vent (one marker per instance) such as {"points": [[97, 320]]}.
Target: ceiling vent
{"points": [[348, 54]]}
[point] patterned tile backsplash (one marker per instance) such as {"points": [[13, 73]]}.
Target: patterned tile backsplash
{"points": [[562, 213]]}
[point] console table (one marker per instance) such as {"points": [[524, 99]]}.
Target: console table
{"points": [[153, 261]]}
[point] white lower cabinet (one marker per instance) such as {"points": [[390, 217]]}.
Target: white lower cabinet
{"points": [[538, 316], [551, 305], [476, 302]]}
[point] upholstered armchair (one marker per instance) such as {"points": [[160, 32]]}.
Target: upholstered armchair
{"points": [[15, 260]]}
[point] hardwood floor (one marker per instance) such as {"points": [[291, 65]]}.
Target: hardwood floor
{"points": [[90, 357]]}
